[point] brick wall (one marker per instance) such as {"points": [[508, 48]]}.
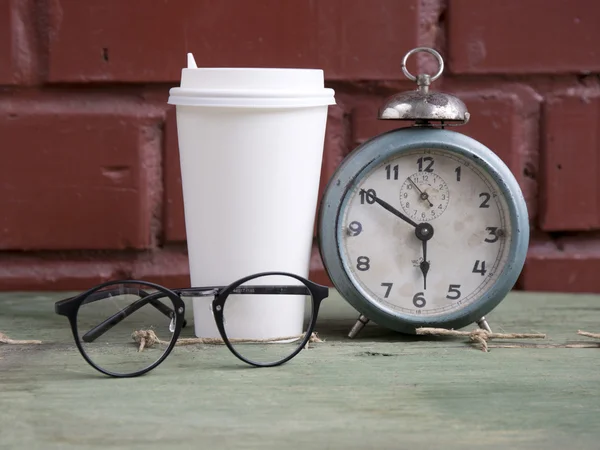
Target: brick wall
{"points": [[89, 180]]}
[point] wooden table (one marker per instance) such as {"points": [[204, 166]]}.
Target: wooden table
{"points": [[381, 390]]}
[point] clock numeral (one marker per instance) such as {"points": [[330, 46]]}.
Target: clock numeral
{"points": [[389, 288], [369, 196], [355, 228], [419, 300], [363, 263], [454, 290], [457, 170], [481, 270], [422, 161], [493, 233], [484, 203], [389, 170]]}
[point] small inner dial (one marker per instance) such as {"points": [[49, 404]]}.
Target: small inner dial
{"points": [[424, 196]]}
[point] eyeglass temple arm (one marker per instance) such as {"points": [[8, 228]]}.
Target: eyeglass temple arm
{"points": [[250, 289], [154, 302], [60, 305], [113, 320], [118, 317], [121, 315]]}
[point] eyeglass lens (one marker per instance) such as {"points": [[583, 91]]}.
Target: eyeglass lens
{"points": [[125, 328], [266, 324]]}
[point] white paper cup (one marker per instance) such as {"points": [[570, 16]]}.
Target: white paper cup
{"points": [[251, 145]]}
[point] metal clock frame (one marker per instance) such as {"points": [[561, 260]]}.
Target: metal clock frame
{"points": [[370, 154]]}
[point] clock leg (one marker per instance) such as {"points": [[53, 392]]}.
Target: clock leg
{"points": [[359, 325], [482, 323]]}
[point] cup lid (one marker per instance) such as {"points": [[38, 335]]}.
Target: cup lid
{"points": [[250, 87]]}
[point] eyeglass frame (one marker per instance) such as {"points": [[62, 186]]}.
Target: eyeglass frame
{"points": [[69, 308]]}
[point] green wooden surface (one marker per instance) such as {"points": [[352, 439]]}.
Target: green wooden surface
{"points": [[381, 390]]}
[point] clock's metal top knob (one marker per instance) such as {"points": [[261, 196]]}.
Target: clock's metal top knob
{"points": [[424, 106]]}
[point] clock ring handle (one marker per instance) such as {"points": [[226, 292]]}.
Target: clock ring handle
{"points": [[437, 56]]}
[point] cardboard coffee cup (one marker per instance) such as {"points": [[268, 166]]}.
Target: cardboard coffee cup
{"points": [[251, 146]]}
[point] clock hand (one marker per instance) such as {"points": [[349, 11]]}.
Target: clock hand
{"points": [[424, 265], [424, 232], [390, 208], [423, 195]]}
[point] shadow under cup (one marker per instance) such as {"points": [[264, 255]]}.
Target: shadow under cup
{"points": [[266, 318], [112, 321]]}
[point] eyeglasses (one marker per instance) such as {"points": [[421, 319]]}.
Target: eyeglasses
{"points": [[125, 328]]}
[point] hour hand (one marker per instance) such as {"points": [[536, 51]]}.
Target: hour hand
{"points": [[424, 265], [389, 207], [424, 232]]}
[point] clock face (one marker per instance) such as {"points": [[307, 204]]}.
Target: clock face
{"points": [[453, 205]]}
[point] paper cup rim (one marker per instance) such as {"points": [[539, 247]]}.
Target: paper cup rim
{"points": [[251, 97]]}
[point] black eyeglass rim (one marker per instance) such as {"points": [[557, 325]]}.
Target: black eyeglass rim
{"points": [[318, 293], [69, 307]]}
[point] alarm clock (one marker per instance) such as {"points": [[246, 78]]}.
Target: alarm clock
{"points": [[423, 226]]}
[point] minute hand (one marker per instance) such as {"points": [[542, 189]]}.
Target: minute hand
{"points": [[390, 208]]}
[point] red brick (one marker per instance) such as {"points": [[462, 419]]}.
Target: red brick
{"points": [[168, 268], [432, 14], [31, 272], [17, 44], [94, 40], [568, 265], [570, 164], [6, 53], [337, 144], [505, 119], [317, 272], [83, 173], [174, 217], [365, 122], [523, 36], [56, 272], [350, 39], [365, 40], [336, 148]]}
